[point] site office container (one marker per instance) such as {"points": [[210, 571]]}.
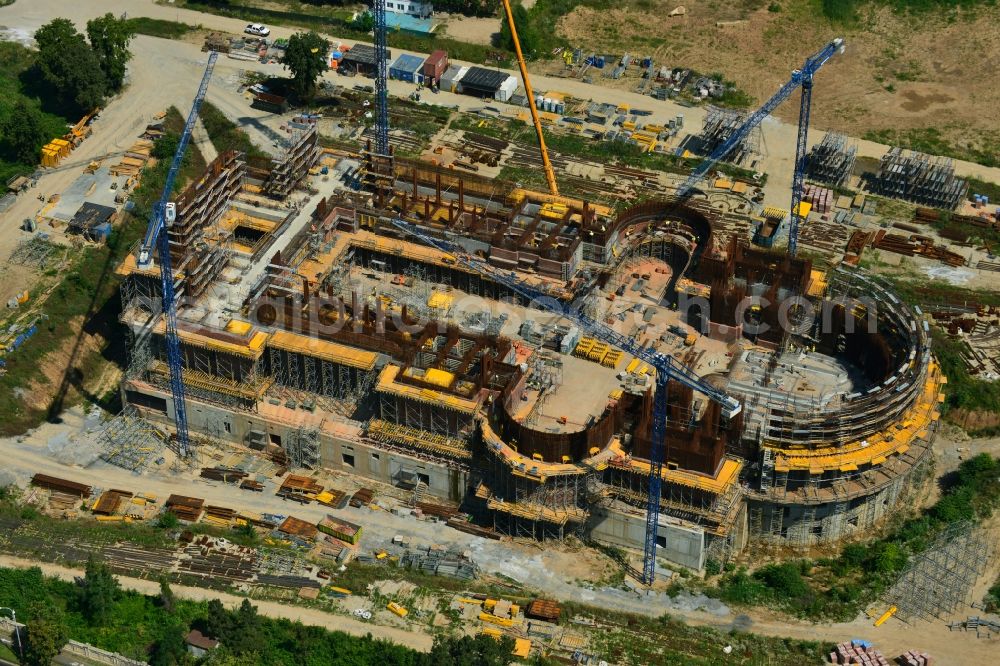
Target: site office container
{"points": [[435, 66]]}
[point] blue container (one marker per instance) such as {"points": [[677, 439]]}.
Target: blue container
{"points": [[599, 62]]}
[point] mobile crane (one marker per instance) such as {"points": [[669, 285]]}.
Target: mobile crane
{"points": [[550, 174], [163, 215]]}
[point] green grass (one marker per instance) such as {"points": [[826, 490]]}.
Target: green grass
{"points": [[16, 84], [963, 390], [87, 289], [225, 134], [985, 151], [153, 27], [5, 652]]}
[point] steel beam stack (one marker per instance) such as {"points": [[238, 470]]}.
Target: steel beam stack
{"points": [[920, 178], [832, 160]]}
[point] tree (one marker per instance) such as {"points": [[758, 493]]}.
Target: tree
{"points": [[109, 38], [171, 648], [218, 622], [306, 57], [245, 628], [364, 22], [164, 149], [99, 592], [167, 600], [525, 32], [70, 66], [45, 634], [23, 133], [482, 650]]}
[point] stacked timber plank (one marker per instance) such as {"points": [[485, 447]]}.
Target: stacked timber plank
{"points": [[299, 487], [186, 508], [223, 474], [295, 527], [134, 159], [544, 609], [363, 497]]}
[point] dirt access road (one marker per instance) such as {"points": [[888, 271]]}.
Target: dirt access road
{"points": [[309, 616], [551, 571]]}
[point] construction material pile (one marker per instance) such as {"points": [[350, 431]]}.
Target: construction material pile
{"points": [[858, 652]]}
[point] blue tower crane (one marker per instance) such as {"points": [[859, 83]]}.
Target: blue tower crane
{"points": [[800, 78], [163, 215], [666, 366], [381, 80]]}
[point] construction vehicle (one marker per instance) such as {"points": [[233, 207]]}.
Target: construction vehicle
{"points": [[397, 609], [667, 368], [800, 78], [157, 239], [550, 174]]}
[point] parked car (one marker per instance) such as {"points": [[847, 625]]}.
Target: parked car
{"points": [[257, 29]]}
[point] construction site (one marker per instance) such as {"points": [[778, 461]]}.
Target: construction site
{"points": [[311, 325]]}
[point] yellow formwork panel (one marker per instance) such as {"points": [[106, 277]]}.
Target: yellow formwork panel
{"points": [[387, 384], [252, 348], [727, 475], [323, 349], [876, 449]]}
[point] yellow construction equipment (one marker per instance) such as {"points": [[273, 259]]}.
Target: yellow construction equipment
{"points": [[550, 175], [885, 616]]}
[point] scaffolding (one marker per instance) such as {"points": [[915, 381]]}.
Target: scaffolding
{"points": [[302, 448], [719, 126], [288, 171], [920, 178], [34, 252], [131, 442], [940, 579], [832, 160]]}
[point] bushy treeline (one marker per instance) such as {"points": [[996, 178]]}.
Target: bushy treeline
{"points": [[98, 611], [838, 587]]}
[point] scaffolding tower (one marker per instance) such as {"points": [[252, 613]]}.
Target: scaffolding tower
{"points": [[719, 126], [940, 579], [131, 442], [832, 160], [302, 448], [920, 178]]}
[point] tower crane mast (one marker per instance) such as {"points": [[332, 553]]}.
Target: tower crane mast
{"points": [[157, 238], [800, 78]]}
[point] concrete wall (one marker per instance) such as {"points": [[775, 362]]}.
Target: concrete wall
{"points": [[336, 453], [680, 544]]}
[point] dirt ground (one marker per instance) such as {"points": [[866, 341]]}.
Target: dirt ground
{"points": [[477, 30], [898, 72]]}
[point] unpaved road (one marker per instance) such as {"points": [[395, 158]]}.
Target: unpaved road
{"points": [[310, 616], [545, 570]]}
